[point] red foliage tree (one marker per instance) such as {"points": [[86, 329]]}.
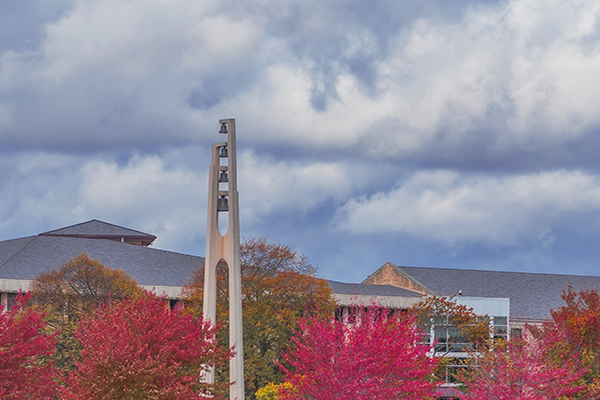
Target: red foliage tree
{"points": [[377, 358], [23, 344], [573, 333], [517, 370], [140, 349]]}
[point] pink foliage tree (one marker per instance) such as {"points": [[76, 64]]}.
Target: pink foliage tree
{"points": [[140, 349], [518, 370], [23, 346], [379, 357]]}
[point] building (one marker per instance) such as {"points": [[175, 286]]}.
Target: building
{"points": [[531, 295], [509, 299], [23, 259], [517, 296]]}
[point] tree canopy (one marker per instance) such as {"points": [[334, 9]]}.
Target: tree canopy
{"points": [[141, 349], [71, 292], [573, 333], [379, 357], [23, 345], [517, 370], [455, 328]]}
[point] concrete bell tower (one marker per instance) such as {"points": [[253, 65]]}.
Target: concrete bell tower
{"points": [[223, 201]]}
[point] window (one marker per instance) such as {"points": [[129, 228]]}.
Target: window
{"points": [[516, 333], [10, 300], [500, 328], [173, 303]]}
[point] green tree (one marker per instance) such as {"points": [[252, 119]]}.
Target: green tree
{"points": [[279, 286], [71, 292]]}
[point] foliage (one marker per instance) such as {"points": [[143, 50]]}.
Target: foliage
{"points": [[140, 349], [71, 292], [378, 358], [272, 391], [517, 371], [456, 327], [443, 312], [22, 342], [574, 334], [278, 287]]}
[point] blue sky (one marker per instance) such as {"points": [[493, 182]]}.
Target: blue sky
{"points": [[456, 134]]}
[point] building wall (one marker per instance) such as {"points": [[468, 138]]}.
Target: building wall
{"points": [[389, 275]]}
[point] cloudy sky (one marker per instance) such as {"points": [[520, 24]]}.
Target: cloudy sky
{"points": [[457, 134]]}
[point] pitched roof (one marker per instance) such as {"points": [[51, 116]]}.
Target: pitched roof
{"points": [[26, 258], [95, 229], [532, 295], [363, 289]]}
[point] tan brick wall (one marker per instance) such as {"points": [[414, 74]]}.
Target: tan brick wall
{"points": [[388, 275]]}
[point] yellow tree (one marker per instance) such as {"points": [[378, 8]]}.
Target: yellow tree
{"points": [[71, 292], [279, 286]]}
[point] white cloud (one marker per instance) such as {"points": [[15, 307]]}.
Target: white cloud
{"points": [[454, 208], [518, 75], [269, 187], [149, 194], [120, 74], [35, 194], [142, 180], [43, 191]]}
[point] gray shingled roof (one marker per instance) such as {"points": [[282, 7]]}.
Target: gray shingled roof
{"points": [[532, 295], [362, 289], [26, 258], [99, 229]]}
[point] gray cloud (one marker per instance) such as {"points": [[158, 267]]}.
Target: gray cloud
{"points": [[21, 23]]}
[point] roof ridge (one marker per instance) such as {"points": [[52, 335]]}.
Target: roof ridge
{"points": [[70, 226], [55, 231], [500, 272]]}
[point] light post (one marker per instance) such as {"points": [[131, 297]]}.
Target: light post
{"points": [[225, 248]]}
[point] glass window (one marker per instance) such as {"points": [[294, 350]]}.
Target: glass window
{"points": [[339, 313], [500, 328], [454, 366], [10, 300]]}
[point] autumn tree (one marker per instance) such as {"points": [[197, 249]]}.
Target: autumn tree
{"points": [[23, 344], [279, 286], [451, 328], [573, 333], [141, 349], [518, 370], [273, 391], [379, 357], [71, 292]]}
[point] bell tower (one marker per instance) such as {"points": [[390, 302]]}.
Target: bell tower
{"points": [[223, 201]]}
